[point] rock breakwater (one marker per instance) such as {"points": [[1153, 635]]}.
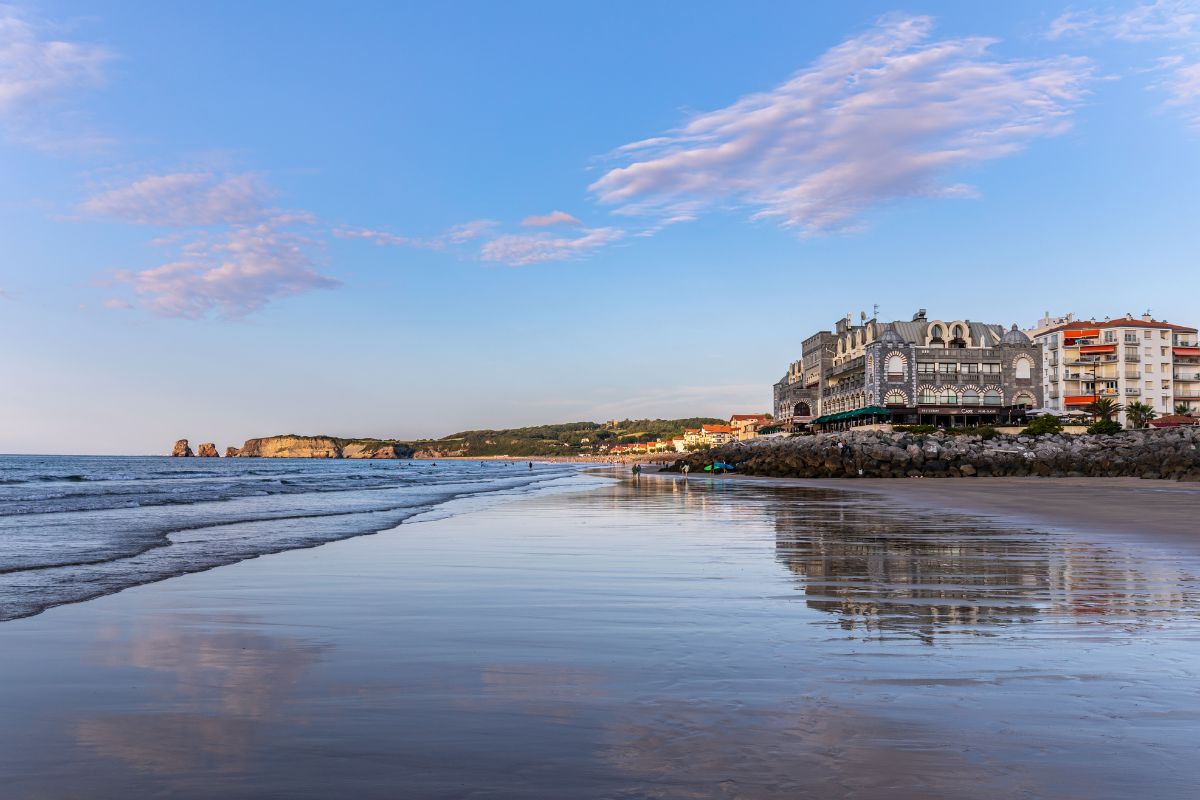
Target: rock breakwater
{"points": [[1166, 454]]}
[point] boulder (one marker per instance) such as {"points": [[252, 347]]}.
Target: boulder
{"points": [[182, 450], [208, 450]]}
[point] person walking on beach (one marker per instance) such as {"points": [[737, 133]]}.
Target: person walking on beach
{"points": [[685, 469], [637, 470], [531, 465]]}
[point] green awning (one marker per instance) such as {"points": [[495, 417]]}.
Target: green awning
{"points": [[857, 413]]}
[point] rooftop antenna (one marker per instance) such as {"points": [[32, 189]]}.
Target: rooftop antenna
{"points": [[875, 311]]}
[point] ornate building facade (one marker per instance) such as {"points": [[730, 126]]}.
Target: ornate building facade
{"points": [[919, 371]]}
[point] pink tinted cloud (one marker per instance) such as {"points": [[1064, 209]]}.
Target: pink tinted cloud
{"points": [[34, 66], [523, 249], [232, 276], [183, 199], [883, 116], [553, 218]]}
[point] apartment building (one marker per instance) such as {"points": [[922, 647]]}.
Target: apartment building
{"points": [[1128, 359]]}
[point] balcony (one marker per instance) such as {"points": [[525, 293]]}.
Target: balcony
{"points": [[1186, 377], [1132, 390], [1132, 375], [1054, 394], [1187, 395]]}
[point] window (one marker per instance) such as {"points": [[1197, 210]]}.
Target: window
{"points": [[1023, 366], [991, 398], [1166, 384], [1162, 334], [895, 366], [1131, 338], [970, 397], [948, 397], [947, 368], [1146, 334], [935, 332], [1110, 337], [895, 399], [1149, 384], [969, 369], [925, 368], [1149, 367], [1163, 352], [1131, 354], [928, 397], [990, 369]]}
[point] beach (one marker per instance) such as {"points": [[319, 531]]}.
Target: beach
{"points": [[647, 638]]}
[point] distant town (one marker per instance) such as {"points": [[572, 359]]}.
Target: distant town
{"points": [[953, 373]]}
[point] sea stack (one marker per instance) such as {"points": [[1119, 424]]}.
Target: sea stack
{"points": [[208, 450], [231, 452], [182, 450]]}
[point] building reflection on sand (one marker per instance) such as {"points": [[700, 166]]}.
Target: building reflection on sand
{"points": [[884, 570]]}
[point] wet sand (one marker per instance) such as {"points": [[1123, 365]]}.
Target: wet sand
{"points": [[725, 639]]}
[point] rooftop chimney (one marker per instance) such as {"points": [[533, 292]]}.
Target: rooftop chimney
{"points": [[1146, 317]]}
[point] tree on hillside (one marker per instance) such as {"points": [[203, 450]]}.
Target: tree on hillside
{"points": [[1139, 414], [1104, 408]]}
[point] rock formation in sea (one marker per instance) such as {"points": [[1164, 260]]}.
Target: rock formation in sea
{"points": [[231, 452], [208, 450], [292, 446], [182, 450], [1172, 453]]}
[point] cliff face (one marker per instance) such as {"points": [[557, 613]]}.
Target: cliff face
{"points": [[182, 450], [231, 452], [322, 447], [208, 450], [291, 447]]}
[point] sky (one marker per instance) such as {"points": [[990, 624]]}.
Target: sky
{"points": [[223, 220]]}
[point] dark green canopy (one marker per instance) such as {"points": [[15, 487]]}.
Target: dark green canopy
{"points": [[858, 413]]}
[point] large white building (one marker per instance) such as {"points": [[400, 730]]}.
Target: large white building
{"points": [[1127, 359]]}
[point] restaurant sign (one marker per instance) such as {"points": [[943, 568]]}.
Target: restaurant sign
{"points": [[960, 410]]}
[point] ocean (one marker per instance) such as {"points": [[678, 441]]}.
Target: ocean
{"points": [[77, 527]]}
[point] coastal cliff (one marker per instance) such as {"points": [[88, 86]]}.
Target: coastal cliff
{"points": [[208, 450], [182, 450], [292, 446]]}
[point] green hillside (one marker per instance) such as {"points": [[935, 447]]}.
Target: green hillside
{"points": [[568, 438]]}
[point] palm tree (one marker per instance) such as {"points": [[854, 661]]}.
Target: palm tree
{"points": [[1104, 408], [1183, 409], [1140, 414]]}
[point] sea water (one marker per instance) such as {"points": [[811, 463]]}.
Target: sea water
{"points": [[78, 527]]}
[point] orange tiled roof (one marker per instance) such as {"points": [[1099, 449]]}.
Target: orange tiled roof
{"points": [[1119, 322], [716, 429], [749, 416]]}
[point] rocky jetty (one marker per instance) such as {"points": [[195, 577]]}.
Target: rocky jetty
{"points": [[1172, 454], [291, 446], [182, 450], [231, 452], [208, 450]]}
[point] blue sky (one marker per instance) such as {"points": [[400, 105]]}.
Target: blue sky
{"points": [[226, 220]]}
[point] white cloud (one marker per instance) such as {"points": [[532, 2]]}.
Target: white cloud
{"points": [[381, 238], [183, 199], [470, 230], [553, 218], [234, 275], [522, 249], [882, 116], [34, 66], [1175, 23], [1182, 84]]}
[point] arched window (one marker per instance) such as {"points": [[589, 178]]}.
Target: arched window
{"points": [[928, 397], [948, 397], [991, 398], [801, 410], [895, 399], [1023, 399], [935, 332], [1023, 367], [970, 397], [895, 367]]}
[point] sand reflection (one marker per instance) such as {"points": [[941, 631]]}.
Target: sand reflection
{"points": [[931, 573], [217, 686]]}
